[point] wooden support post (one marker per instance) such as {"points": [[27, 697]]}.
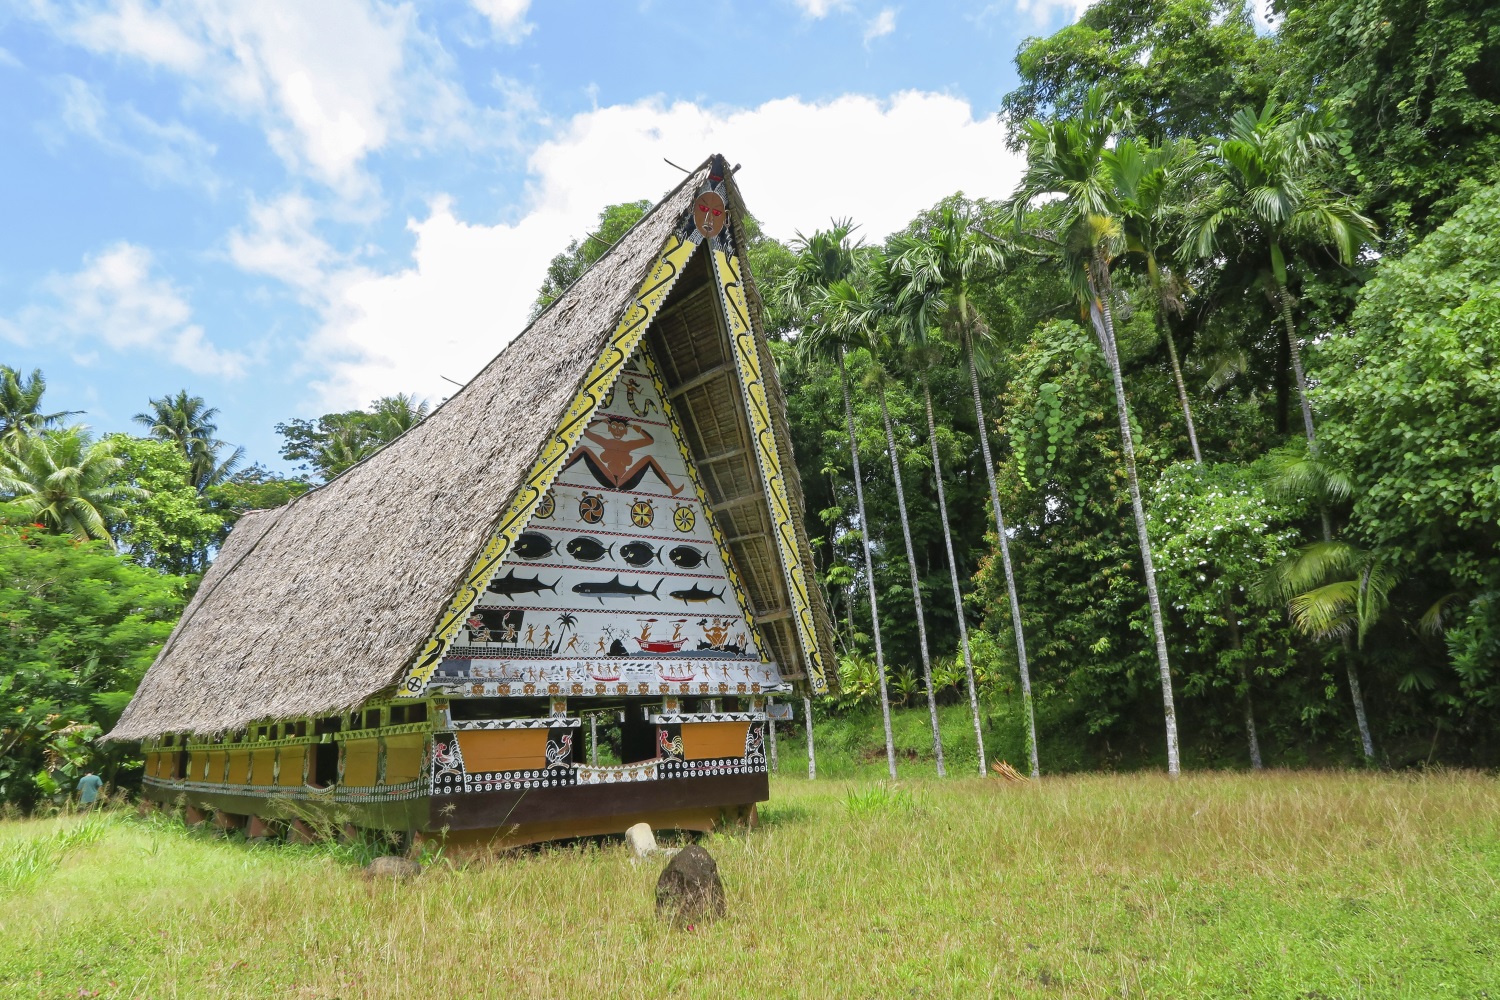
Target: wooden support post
{"points": [[259, 829], [812, 760], [594, 740], [775, 766], [300, 833], [228, 821], [193, 816]]}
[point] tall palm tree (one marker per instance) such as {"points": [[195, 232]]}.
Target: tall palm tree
{"points": [[395, 415], [1143, 178], [65, 483], [827, 257], [1269, 199], [947, 263], [1065, 160], [188, 421], [21, 407], [859, 311]]}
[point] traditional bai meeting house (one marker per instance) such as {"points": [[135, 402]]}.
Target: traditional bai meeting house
{"points": [[606, 519]]}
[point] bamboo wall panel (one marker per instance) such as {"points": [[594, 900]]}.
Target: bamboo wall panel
{"points": [[403, 757], [291, 765], [239, 766], [503, 750], [216, 766], [262, 767], [360, 760], [708, 740]]}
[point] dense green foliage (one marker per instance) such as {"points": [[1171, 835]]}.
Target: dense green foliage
{"points": [[103, 541], [1217, 197], [78, 627]]}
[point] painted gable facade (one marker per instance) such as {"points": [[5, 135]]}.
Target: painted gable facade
{"points": [[619, 583]]}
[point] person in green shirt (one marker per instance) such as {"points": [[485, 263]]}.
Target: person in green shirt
{"points": [[88, 789]]}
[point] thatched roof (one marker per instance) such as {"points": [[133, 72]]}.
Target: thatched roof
{"points": [[317, 606]]}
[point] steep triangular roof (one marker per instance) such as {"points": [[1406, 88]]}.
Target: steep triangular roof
{"points": [[343, 593]]}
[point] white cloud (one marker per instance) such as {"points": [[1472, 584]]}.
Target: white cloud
{"points": [[507, 17], [167, 151], [1041, 11], [880, 25], [820, 8], [116, 300], [281, 243], [468, 288], [329, 82]]}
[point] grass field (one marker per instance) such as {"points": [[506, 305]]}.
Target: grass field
{"points": [[1308, 885]]}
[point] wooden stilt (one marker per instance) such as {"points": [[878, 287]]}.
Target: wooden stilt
{"points": [[812, 759]]}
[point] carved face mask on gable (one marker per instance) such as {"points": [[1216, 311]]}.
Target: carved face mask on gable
{"points": [[709, 214]]}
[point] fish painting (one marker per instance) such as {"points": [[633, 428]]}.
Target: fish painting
{"points": [[614, 588], [687, 557], [510, 585], [639, 553], [533, 545], [695, 595], [585, 548]]}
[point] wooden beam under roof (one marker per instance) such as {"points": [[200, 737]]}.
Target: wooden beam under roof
{"points": [[700, 379]]}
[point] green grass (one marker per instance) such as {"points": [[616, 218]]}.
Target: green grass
{"points": [[1307, 885]]}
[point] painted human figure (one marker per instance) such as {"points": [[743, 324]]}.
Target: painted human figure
{"points": [[572, 646], [612, 460]]}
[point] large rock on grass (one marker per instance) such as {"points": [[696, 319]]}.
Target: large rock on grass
{"points": [[690, 890], [391, 867]]}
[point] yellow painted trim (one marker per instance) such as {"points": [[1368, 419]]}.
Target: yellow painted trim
{"points": [[596, 387], [708, 511], [747, 362]]}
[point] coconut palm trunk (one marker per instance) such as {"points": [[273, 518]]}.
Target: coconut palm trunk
{"points": [[916, 590], [1010, 576], [864, 534], [958, 595], [1166, 332], [1284, 302], [1104, 327]]}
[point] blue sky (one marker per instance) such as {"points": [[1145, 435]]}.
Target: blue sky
{"points": [[291, 207]]}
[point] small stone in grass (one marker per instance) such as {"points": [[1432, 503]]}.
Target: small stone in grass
{"points": [[690, 890], [641, 840], [392, 867]]}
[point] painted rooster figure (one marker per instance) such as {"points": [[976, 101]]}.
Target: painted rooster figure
{"points": [[559, 753], [668, 748], [446, 760]]}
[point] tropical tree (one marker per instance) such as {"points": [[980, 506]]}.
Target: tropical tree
{"points": [[859, 311], [1270, 199], [1267, 196], [1144, 178], [944, 268], [67, 484], [188, 422], [21, 407], [1066, 161], [829, 256], [335, 441]]}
